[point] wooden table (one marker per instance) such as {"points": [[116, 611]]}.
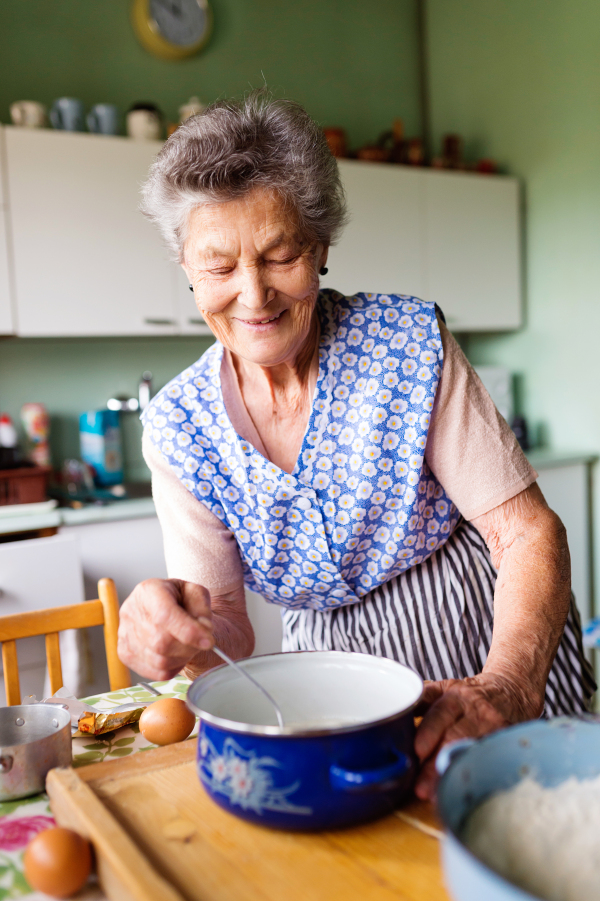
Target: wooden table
{"points": [[158, 836]]}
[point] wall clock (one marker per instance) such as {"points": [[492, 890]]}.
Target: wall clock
{"points": [[172, 29]]}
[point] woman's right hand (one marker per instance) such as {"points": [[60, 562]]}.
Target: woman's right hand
{"points": [[164, 623]]}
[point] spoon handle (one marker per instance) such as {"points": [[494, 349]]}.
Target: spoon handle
{"points": [[151, 689], [247, 675]]}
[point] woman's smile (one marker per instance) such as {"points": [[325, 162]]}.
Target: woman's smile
{"points": [[255, 324]]}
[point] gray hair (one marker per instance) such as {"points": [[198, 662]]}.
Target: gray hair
{"points": [[235, 146]]}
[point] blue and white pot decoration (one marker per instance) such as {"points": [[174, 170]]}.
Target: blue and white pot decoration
{"points": [[344, 756]]}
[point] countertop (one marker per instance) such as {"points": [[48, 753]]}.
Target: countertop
{"points": [[136, 508], [139, 508]]}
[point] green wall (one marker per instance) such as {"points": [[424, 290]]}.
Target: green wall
{"points": [[521, 79], [350, 64], [71, 376]]}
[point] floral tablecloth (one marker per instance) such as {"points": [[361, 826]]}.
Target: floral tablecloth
{"points": [[21, 820]]}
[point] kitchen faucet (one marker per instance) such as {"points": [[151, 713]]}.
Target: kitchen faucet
{"points": [[133, 404]]}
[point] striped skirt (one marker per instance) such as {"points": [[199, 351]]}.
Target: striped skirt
{"points": [[437, 618]]}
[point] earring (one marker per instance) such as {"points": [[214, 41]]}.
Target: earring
{"points": [[323, 270], [191, 287]]}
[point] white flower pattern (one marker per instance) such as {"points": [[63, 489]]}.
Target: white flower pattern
{"points": [[245, 779], [361, 464]]}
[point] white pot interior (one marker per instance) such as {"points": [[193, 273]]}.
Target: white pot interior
{"points": [[316, 690]]}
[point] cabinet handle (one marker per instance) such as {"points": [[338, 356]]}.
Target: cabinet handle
{"points": [[159, 322], [197, 321]]}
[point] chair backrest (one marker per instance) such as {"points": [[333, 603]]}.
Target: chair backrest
{"points": [[102, 612]]}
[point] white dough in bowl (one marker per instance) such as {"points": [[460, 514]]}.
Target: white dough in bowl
{"points": [[545, 840]]}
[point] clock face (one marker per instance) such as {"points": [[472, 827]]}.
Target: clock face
{"points": [[181, 22]]}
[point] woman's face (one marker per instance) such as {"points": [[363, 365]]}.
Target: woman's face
{"points": [[255, 281]]}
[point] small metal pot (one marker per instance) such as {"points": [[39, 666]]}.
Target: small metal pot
{"points": [[34, 738]]}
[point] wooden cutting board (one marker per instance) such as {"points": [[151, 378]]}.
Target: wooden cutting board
{"points": [[158, 837]]}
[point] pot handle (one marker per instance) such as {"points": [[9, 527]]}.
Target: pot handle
{"points": [[369, 780], [450, 751]]}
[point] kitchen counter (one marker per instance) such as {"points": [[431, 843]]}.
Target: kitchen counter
{"points": [[542, 458], [136, 508], [142, 507]]}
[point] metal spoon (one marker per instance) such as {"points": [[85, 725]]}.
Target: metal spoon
{"points": [[151, 689], [246, 675]]}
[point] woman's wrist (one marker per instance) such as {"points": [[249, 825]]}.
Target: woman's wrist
{"points": [[522, 699], [236, 639]]}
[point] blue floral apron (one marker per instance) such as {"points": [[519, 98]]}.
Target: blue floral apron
{"points": [[361, 505]]}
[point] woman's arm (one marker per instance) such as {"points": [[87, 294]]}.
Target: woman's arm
{"points": [[528, 545], [168, 624]]}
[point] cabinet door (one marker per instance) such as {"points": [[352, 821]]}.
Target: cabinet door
{"points": [[7, 325], [86, 260], [41, 572], [381, 247], [472, 249], [566, 489]]}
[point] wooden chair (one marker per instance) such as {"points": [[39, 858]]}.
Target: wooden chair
{"points": [[49, 622]]}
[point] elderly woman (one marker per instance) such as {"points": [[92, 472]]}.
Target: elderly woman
{"points": [[338, 455]]}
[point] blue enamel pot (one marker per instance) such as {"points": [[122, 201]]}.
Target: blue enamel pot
{"points": [[549, 751], [344, 756]]}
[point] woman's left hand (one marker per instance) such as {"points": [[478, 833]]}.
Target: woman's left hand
{"points": [[466, 708]]}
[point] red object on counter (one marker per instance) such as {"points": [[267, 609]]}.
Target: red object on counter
{"points": [[26, 485]]}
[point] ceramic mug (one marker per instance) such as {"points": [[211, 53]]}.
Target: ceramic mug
{"points": [[29, 114], [103, 119], [191, 108], [67, 114], [144, 124]]}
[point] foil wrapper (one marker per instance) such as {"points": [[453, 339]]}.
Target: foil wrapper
{"points": [[97, 723]]}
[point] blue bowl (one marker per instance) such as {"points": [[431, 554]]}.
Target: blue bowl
{"points": [[549, 751], [345, 755]]}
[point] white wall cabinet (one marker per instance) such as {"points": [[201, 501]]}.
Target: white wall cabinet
{"points": [[7, 323], [381, 248], [448, 237], [86, 261], [472, 249], [565, 483]]}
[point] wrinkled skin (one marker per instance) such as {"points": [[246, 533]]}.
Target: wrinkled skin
{"points": [[465, 708], [168, 624]]}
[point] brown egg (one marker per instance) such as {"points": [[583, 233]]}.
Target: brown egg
{"points": [[58, 862], [167, 720]]}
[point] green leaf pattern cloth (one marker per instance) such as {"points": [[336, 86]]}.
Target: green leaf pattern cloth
{"points": [[21, 820]]}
